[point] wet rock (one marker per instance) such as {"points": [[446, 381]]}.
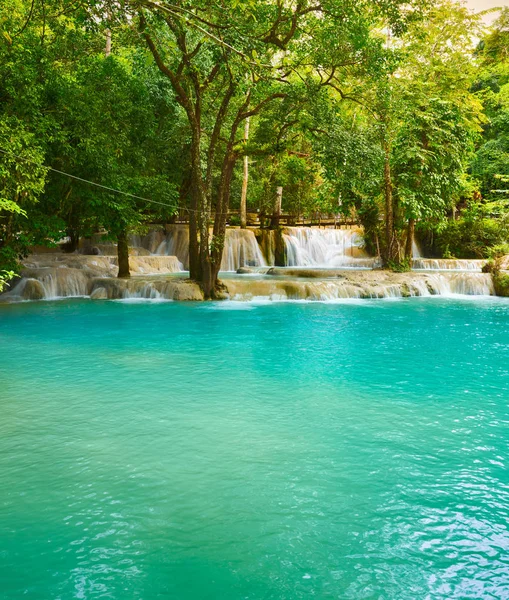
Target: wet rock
{"points": [[99, 293], [307, 273], [90, 251], [187, 291], [33, 290]]}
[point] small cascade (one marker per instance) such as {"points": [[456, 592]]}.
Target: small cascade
{"points": [[376, 285], [146, 291], [146, 252], [416, 251], [50, 276], [463, 284], [267, 241], [145, 288], [241, 250], [151, 241], [306, 246], [48, 283], [447, 264], [152, 265], [175, 243]]}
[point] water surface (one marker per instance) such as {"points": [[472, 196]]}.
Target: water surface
{"points": [[239, 451]]}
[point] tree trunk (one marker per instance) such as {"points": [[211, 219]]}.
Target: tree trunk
{"points": [[211, 287], [243, 197], [107, 47], [196, 209], [123, 254], [107, 33], [209, 280], [410, 239], [277, 208], [280, 258], [74, 240], [390, 246], [205, 253]]}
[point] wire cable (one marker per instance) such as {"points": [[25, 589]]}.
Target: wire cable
{"points": [[104, 187]]}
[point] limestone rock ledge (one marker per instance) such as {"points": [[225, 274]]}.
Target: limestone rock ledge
{"points": [[50, 276], [78, 277], [320, 285], [140, 287]]}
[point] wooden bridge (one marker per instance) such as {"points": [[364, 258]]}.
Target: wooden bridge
{"points": [[262, 220]]}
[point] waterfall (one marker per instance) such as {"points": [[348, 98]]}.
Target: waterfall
{"points": [[152, 265], [39, 284], [150, 241], [313, 253], [146, 291], [157, 289], [463, 284], [175, 243], [304, 246], [307, 247], [447, 264], [50, 276], [240, 248], [50, 283], [377, 286], [416, 251]]}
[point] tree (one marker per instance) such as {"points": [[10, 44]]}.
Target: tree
{"points": [[416, 98], [104, 119], [22, 179], [229, 61]]}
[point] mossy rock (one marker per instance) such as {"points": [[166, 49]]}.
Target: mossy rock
{"points": [[501, 284]]}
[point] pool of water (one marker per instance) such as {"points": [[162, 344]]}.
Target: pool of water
{"points": [[241, 451]]}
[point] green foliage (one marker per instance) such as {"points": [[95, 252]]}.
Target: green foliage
{"points": [[349, 104], [431, 154], [409, 125], [401, 266], [5, 277], [22, 179], [482, 231], [501, 283], [109, 120], [472, 238]]}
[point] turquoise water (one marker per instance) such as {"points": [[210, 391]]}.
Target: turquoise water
{"points": [[234, 451]]}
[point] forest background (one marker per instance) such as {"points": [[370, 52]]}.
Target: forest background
{"points": [[395, 114]]}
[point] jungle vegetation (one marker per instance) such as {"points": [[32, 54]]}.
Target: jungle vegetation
{"points": [[393, 113]]}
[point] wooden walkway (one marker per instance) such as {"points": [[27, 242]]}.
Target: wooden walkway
{"points": [[264, 221]]}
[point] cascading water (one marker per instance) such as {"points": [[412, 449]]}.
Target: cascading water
{"points": [[463, 284], [51, 276], [151, 265], [375, 286], [447, 264], [306, 247], [365, 284], [240, 248], [175, 243], [313, 253], [416, 252], [49, 283]]}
